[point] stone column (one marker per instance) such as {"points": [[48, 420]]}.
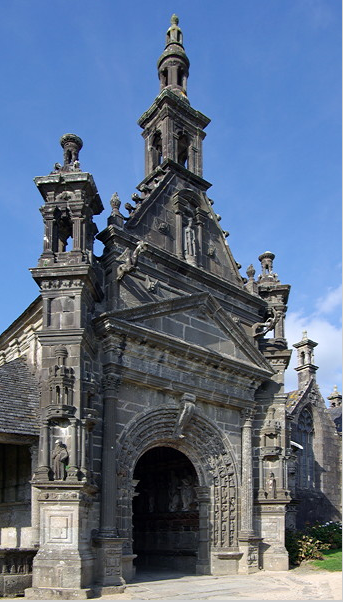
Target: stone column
{"points": [[248, 542], [34, 498], [280, 324], [83, 462], [109, 553], [203, 563], [73, 468], [109, 480], [179, 234], [247, 478], [42, 472]]}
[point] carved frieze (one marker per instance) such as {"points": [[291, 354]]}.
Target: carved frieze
{"points": [[57, 283]]}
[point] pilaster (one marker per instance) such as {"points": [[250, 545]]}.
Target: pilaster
{"points": [[109, 568]]}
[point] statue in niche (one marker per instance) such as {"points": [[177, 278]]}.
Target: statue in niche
{"points": [[190, 250], [187, 494], [173, 494], [271, 486], [151, 502], [60, 458]]}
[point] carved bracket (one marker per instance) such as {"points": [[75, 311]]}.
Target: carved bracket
{"points": [[185, 414]]}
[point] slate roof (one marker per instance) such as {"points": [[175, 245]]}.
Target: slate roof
{"points": [[19, 399]]}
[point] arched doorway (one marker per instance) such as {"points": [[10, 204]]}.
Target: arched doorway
{"points": [[165, 511]]}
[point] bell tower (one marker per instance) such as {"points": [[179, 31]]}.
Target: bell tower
{"points": [[172, 129], [306, 368]]}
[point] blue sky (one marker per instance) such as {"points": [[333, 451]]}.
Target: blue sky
{"points": [[267, 73]]}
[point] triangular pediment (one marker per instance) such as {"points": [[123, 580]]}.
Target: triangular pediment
{"points": [[171, 196], [200, 321]]}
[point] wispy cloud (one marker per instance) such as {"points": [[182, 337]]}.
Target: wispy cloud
{"points": [[329, 302], [320, 328]]}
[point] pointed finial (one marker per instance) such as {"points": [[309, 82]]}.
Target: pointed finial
{"points": [[115, 203], [250, 272], [174, 33], [304, 335], [173, 64]]}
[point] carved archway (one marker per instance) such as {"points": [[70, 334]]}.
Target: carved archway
{"points": [[209, 451]]}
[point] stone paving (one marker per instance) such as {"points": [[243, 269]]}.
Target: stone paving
{"points": [[298, 584], [264, 585]]}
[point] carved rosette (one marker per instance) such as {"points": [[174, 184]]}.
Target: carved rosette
{"points": [[205, 447]]}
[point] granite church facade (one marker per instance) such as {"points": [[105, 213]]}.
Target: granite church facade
{"points": [[144, 421]]}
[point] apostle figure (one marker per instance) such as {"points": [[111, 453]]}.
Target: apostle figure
{"points": [[60, 457]]}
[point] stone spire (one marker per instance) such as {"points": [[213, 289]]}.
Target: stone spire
{"points": [[173, 64], [173, 130]]}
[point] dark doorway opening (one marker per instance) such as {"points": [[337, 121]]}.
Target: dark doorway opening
{"points": [[165, 512]]}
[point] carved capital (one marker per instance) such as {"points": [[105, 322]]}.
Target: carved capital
{"points": [[247, 416], [110, 382]]}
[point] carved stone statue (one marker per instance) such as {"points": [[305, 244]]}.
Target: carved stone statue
{"points": [[190, 250], [60, 458], [261, 328], [271, 486], [173, 494], [131, 259], [187, 494]]}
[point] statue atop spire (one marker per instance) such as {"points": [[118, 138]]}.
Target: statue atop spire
{"points": [[174, 33], [173, 64]]}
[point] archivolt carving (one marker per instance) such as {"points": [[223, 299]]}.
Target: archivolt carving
{"points": [[205, 446]]}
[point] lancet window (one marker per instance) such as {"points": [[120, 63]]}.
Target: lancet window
{"points": [[306, 455]]}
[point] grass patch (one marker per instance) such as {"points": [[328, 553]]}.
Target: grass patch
{"points": [[332, 561]]}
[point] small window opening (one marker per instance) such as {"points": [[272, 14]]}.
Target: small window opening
{"points": [[64, 235], [58, 395], [156, 149], [182, 150], [302, 358], [179, 76], [165, 77]]}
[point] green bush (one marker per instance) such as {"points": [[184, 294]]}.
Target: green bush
{"points": [[310, 543], [329, 532], [309, 547]]}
